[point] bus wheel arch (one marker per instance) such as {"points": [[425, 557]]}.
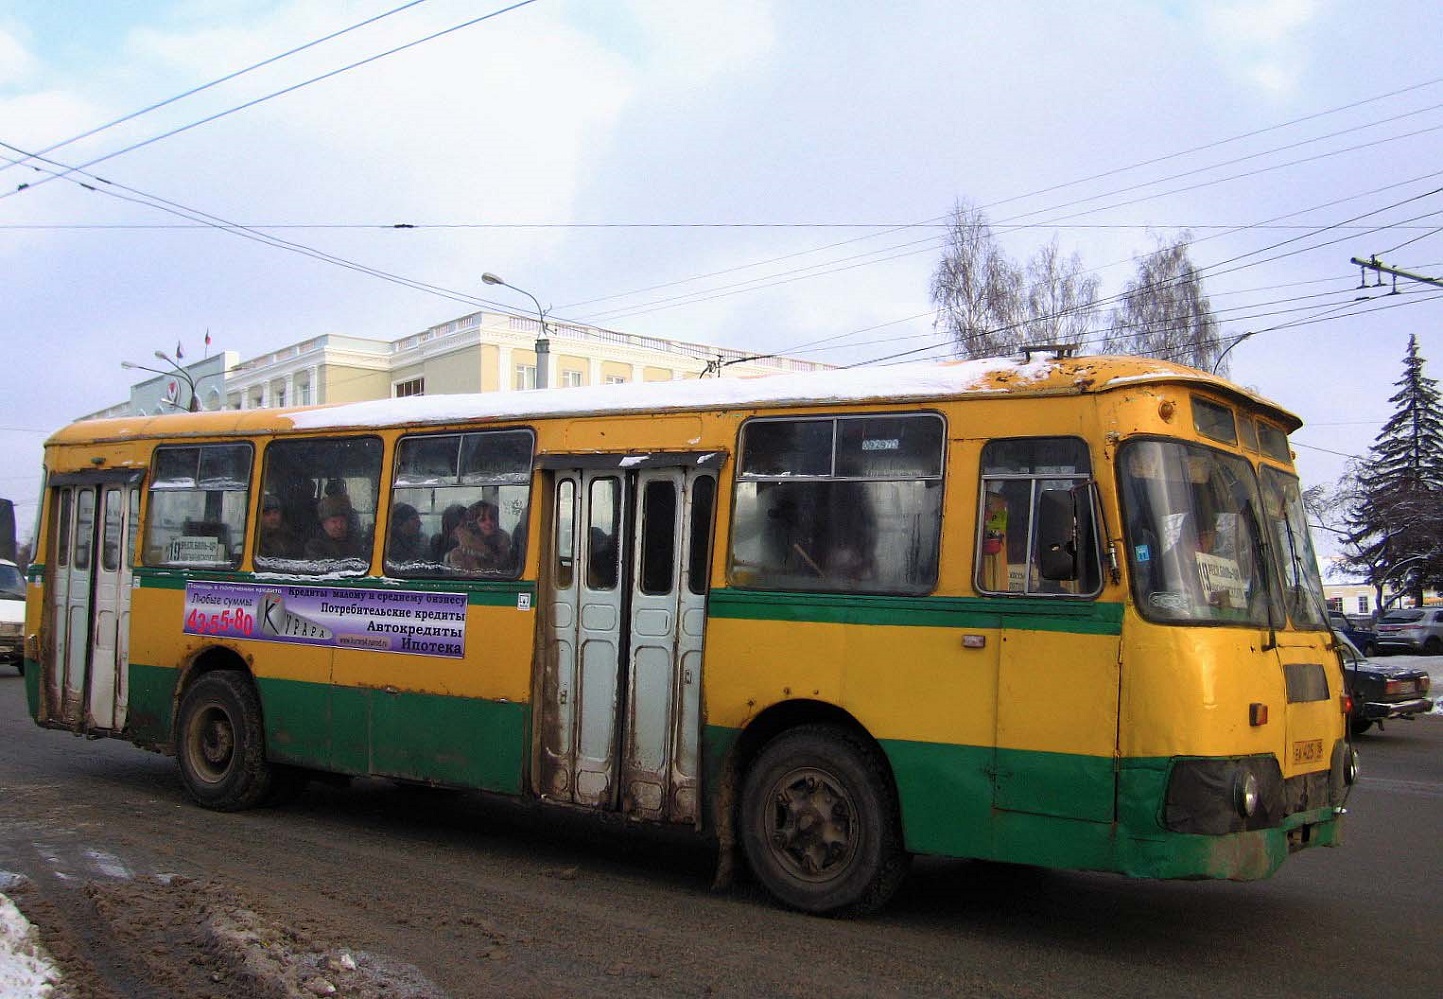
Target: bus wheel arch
{"points": [[816, 811], [219, 737]]}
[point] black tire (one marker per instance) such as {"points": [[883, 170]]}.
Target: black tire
{"points": [[1432, 646], [1357, 726], [220, 744], [819, 823]]}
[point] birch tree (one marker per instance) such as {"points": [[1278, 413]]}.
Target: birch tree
{"points": [[1061, 297], [1163, 311], [976, 289]]}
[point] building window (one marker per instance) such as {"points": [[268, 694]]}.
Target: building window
{"points": [[570, 379], [525, 376], [413, 386], [303, 394], [280, 395], [613, 380], [1363, 605]]}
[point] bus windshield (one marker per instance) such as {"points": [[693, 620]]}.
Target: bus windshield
{"points": [[1288, 530], [1194, 536]]}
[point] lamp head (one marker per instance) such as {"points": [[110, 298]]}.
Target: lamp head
{"points": [[162, 355], [489, 278]]}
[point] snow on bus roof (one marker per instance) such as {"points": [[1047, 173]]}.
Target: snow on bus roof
{"points": [[905, 383], [900, 383]]}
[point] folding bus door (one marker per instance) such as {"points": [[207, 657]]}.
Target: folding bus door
{"points": [[625, 611], [84, 676]]}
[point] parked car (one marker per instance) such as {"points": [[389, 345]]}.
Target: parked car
{"points": [[1380, 691], [1413, 629], [12, 615], [1363, 638]]}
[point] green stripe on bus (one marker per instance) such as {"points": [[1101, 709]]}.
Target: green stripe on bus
{"points": [[954, 803], [1028, 613], [463, 741], [478, 593], [951, 806]]}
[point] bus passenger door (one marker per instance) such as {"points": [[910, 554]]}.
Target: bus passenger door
{"points": [[105, 682], [671, 556], [620, 702], [94, 550]]}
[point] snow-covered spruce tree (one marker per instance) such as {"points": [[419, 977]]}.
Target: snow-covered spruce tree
{"points": [[1395, 522]]}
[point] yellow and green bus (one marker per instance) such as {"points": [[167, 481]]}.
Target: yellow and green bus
{"points": [[1058, 611]]}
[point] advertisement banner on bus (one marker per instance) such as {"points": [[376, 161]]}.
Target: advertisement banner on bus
{"points": [[407, 621]]}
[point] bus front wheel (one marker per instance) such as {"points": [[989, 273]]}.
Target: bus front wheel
{"points": [[220, 743], [819, 823]]}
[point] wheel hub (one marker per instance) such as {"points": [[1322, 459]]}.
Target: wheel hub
{"points": [[812, 830], [216, 742]]}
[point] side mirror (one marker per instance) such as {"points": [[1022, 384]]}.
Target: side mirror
{"points": [[1057, 535]]}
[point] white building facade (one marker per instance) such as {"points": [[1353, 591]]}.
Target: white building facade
{"points": [[480, 352]]}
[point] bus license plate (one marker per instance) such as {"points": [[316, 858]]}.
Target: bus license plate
{"points": [[1308, 751]]}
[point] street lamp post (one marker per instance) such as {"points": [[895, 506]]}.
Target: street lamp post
{"points": [[543, 344], [185, 375], [189, 381], [1219, 362]]}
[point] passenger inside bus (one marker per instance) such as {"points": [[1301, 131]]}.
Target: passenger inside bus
{"points": [[481, 545], [276, 540], [405, 543], [337, 537], [445, 539]]}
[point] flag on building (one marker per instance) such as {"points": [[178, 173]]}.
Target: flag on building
{"points": [[178, 352]]}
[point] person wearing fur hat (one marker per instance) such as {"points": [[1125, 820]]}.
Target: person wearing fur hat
{"points": [[338, 537], [405, 542], [481, 545]]}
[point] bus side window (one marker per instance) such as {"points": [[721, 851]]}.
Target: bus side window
{"points": [[198, 500], [318, 505], [850, 504], [1035, 530], [459, 505]]}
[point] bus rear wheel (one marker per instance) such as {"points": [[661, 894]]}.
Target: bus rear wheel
{"points": [[220, 743], [819, 823]]}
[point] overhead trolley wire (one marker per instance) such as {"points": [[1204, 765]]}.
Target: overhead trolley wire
{"points": [[214, 83], [279, 93], [135, 196], [1015, 219]]}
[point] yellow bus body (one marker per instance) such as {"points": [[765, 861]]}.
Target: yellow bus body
{"points": [[1039, 724]]}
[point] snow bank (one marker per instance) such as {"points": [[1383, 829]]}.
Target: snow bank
{"points": [[25, 969]]}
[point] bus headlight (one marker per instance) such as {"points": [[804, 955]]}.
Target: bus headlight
{"points": [[1222, 795], [1245, 793]]}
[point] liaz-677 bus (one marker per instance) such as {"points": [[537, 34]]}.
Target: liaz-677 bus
{"points": [[1056, 611]]}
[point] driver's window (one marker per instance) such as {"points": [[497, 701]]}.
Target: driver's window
{"points": [[1034, 516]]}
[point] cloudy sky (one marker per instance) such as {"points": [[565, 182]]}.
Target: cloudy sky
{"points": [[766, 176]]}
